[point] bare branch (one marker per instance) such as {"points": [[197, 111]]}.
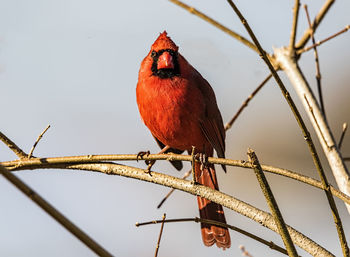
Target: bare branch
{"points": [[345, 127], [220, 224], [306, 180], [245, 103], [54, 213], [303, 128], [213, 195], [62, 162], [294, 26], [299, 82], [285, 93], [324, 10], [305, 49], [172, 190], [270, 199], [42, 163], [244, 251], [315, 120], [160, 235], [37, 141], [18, 151], [216, 24], [317, 63]]}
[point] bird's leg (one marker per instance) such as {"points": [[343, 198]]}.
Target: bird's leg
{"points": [[203, 160], [193, 165], [205, 165], [150, 163]]}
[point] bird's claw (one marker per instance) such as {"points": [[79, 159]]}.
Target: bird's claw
{"points": [[203, 159], [194, 183], [149, 163], [141, 154]]}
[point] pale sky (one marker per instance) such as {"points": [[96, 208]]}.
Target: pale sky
{"points": [[74, 65]]}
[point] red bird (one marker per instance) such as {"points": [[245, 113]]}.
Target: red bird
{"points": [[179, 107]]}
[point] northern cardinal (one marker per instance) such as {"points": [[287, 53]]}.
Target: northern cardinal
{"points": [[179, 107]]}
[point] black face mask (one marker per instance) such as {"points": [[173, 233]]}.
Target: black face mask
{"points": [[165, 73]]}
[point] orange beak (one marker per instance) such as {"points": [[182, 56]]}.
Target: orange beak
{"points": [[165, 61]]}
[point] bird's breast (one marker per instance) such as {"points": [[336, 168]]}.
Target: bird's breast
{"points": [[172, 110]]}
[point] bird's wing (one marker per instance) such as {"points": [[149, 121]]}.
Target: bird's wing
{"points": [[211, 124]]}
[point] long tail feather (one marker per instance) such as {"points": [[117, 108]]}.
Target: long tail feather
{"points": [[209, 210]]}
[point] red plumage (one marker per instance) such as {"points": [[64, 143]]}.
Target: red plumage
{"points": [[179, 107]]}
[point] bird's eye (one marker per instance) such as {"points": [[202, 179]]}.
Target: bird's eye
{"points": [[153, 54]]}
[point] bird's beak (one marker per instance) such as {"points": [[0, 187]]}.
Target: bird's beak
{"points": [[165, 61]]}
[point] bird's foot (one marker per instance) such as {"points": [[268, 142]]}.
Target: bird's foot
{"points": [[141, 154], [203, 159], [194, 183], [149, 163]]}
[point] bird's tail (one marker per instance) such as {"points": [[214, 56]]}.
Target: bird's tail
{"points": [[212, 211]]}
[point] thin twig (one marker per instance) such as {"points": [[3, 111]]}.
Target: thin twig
{"points": [[244, 251], [270, 199], [169, 193], [319, 17], [345, 127], [305, 49], [270, 244], [54, 213], [37, 141], [160, 235], [172, 190], [245, 103], [294, 26], [18, 151], [216, 24], [56, 162], [191, 171], [314, 117], [306, 180], [305, 132], [317, 63]]}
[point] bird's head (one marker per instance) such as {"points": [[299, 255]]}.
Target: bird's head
{"points": [[164, 55]]}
